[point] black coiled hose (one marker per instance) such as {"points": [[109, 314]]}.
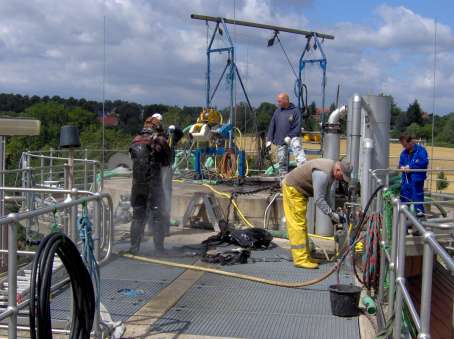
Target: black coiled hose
{"points": [[82, 288]]}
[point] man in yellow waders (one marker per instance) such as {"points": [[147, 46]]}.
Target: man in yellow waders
{"points": [[313, 179]]}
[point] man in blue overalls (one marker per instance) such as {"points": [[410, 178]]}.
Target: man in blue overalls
{"points": [[414, 156]]}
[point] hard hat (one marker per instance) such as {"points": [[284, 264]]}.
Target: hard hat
{"points": [[157, 116]]}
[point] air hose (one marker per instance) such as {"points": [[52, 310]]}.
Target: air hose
{"points": [[81, 284], [233, 274], [298, 284]]}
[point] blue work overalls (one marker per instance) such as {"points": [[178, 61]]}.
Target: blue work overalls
{"points": [[412, 189]]}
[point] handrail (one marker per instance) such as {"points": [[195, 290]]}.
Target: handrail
{"points": [[402, 217], [10, 221]]}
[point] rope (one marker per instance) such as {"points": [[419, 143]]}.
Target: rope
{"points": [[85, 233]]}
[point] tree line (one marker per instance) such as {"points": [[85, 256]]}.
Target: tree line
{"points": [[55, 112]]}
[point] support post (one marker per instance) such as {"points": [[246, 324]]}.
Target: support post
{"points": [[96, 238], [392, 264], [400, 274], [426, 287], [383, 261], [86, 170], [12, 280]]}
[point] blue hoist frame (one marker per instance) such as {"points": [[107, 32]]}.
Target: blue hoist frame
{"points": [[230, 72], [322, 61]]}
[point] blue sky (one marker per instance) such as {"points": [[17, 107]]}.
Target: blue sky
{"points": [[156, 53]]}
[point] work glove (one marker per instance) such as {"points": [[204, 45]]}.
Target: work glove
{"points": [[287, 140], [268, 145]]}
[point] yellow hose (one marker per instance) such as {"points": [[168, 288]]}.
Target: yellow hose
{"points": [[297, 284], [242, 216]]}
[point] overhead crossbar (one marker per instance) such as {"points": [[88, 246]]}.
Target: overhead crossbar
{"points": [[261, 26]]}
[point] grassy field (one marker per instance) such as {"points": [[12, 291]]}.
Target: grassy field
{"points": [[443, 158]]}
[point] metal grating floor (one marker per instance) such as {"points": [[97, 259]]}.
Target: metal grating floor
{"points": [[219, 306], [125, 273]]}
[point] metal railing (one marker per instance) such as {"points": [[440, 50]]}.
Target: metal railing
{"points": [[103, 233], [48, 184], [393, 256]]}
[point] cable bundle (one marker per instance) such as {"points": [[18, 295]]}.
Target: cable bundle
{"points": [[82, 288]]}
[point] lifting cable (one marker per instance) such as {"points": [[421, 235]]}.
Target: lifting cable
{"points": [[299, 284]]}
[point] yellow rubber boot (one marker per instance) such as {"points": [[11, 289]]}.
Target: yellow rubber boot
{"points": [[295, 206]]}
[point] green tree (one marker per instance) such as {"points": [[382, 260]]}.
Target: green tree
{"points": [[414, 113], [264, 114]]}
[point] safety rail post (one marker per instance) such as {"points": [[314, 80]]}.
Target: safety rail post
{"points": [[12, 279], [95, 182], [73, 217], [51, 162], [29, 200], [392, 264], [383, 244], [400, 272], [85, 170], [97, 223], [426, 287]]}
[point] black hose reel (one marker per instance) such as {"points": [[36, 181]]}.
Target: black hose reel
{"points": [[83, 305]]}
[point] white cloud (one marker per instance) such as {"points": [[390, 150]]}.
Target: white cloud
{"points": [[156, 53]]}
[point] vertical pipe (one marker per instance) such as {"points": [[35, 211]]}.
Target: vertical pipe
{"points": [[42, 169], [97, 218], [355, 136], [392, 264], [51, 164], [426, 288], [95, 181], [73, 217], [368, 147], [86, 171], [12, 280], [2, 195], [383, 263], [400, 274], [29, 202]]}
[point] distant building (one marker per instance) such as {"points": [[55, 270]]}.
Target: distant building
{"points": [[110, 119]]}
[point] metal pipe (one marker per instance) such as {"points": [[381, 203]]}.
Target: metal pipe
{"points": [[392, 264], [400, 272], [97, 219], [337, 114], [12, 280], [265, 215], [60, 158], [368, 148], [86, 170], [355, 135], [411, 306], [262, 26], [426, 287]]}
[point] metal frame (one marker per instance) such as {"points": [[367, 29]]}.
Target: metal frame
{"points": [[48, 168], [322, 63], [233, 71], [398, 293], [10, 222]]}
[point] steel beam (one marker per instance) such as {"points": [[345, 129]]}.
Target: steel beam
{"points": [[261, 26]]}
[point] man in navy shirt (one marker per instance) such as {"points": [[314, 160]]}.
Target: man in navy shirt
{"points": [[284, 131], [414, 156]]}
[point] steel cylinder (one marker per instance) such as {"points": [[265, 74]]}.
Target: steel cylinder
{"points": [[377, 127]]}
